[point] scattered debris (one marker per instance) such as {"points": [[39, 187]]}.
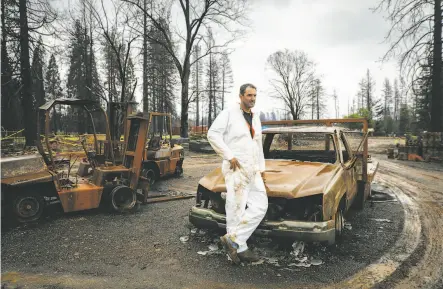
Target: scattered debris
{"points": [[184, 239], [382, 220], [272, 261], [259, 262], [298, 248], [348, 226], [303, 264], [213, 247], [202, 232], [302, 259], [193, 231], [278, 275], [316, 262]]}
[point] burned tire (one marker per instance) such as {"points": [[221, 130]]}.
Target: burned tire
{"points": [[179, 171], [122, 199], [339, 226], [359, 202], [151, 174], [27, 207], [339, 223]]}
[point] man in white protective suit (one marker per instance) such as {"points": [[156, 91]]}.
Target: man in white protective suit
{"points": [[236, 136]]}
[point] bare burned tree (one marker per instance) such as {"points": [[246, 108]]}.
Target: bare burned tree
{"points": [[294, 77], [118, 36], [226, 77], [197, 15], [415, 34]]}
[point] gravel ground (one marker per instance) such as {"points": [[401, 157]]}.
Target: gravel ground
{"points": [[95, 249]]}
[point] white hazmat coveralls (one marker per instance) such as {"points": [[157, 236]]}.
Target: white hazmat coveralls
{"points": [[230, 137]]}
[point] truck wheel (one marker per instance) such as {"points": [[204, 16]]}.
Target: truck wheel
{"points": [[122, 199], [339, 226], [339, 223], [28, 206]]}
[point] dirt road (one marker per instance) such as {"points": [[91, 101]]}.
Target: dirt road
{"points": [[391, 244], [423, 184]]}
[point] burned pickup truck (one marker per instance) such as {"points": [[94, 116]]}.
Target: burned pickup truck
{"points": [[313, 176]]}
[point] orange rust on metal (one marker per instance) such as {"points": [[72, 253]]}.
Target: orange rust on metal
{"points": [[165, 199], [311, 178], [134, 158], [82, 197], [328, 122], [73, 102], [166, 159]]}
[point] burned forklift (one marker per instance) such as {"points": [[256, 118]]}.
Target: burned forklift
{"points": [[162, 157], [109, 185]]}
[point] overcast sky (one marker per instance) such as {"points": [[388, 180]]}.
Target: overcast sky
{"points": [[343, 37]]}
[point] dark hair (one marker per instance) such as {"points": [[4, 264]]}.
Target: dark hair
{"points": [[246, 85]]}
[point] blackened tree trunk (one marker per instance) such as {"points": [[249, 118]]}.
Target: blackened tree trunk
{"points": [[145, 59], [436, 90], [25, 73], [211, 91], [197, 86], [6, 79], [185, 101], [318, 98]]}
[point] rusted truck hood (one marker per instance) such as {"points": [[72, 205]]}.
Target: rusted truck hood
{"points": [[285, 179]]}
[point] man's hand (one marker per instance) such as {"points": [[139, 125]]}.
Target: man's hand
{"points": [[234, 164], [263, 176]]}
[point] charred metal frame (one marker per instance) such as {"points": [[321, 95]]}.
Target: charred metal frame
{"points": [[330, 122], [71, 102], [151, 116]]}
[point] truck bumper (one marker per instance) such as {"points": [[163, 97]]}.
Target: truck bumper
{"points": [[297, 230]]}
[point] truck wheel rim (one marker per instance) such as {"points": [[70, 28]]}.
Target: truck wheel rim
{"points": [[28, 207], [339, 222]]}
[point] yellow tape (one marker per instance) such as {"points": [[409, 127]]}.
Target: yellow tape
{"points": [[9, 136]]}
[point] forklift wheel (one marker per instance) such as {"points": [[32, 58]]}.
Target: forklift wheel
{"points": [[28, 206], [122, 198], [150, 174], [179, 171]]}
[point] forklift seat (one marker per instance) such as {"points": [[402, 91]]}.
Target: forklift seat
{"points": [[154, 143]]}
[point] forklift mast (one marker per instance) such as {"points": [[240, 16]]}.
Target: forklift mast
{"points": [[135, 145]]}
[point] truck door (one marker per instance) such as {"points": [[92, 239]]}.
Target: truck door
{"points": [[347, 158]]}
